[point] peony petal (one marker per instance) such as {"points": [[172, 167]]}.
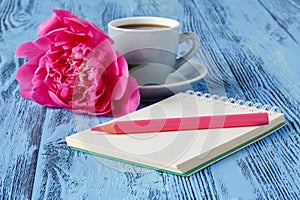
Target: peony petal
{"points": [[81, 25], [40, 94], [77, 25], [133, 89], [27, 94], [99, 35], [25, 75], [111, 64], [109, 57], [100, 106], [129, 101], [42, 43], [119, 87], [28, 50], [50, 24], [57, 100], [122, 65], [63, 14], [40, 90], [52, 35], [56, 21], [117, 72], [65, 36], [104, 104]]}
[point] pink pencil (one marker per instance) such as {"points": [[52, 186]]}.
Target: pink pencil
{"points": [[188, 123]]}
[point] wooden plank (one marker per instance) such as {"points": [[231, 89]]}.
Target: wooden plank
{"points": [[21, 121], [242, 51], [286, 14], [245, 61], [64, 173]]}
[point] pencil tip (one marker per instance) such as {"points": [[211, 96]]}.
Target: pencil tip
{"points": [[108, 128], [97, 128]]}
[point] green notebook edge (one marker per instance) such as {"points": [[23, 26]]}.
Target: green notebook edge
{"points": [[198, 168]]}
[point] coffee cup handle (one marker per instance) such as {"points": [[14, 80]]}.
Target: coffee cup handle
{"points": [[196, 45]]}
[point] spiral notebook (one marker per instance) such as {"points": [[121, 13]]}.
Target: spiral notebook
{"points": [[180, 152]]}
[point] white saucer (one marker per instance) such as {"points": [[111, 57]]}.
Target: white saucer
{"points": [[178, 81]]}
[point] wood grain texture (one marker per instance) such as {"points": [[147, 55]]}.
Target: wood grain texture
{"points": [[251, 49], [21, 121], [287, 16], [250, 67]]}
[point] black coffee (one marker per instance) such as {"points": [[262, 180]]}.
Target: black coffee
{"points": [[143, 26]]}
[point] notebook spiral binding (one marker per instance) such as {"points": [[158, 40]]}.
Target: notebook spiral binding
{"points": [[234, 102]]}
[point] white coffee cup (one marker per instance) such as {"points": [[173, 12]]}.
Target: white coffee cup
{"points": [[151, 41]]}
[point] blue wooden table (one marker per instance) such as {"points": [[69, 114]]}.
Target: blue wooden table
{"points": [[252, 51]]}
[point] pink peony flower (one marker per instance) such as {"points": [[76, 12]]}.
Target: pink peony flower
{"points": [[72, 65]]}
